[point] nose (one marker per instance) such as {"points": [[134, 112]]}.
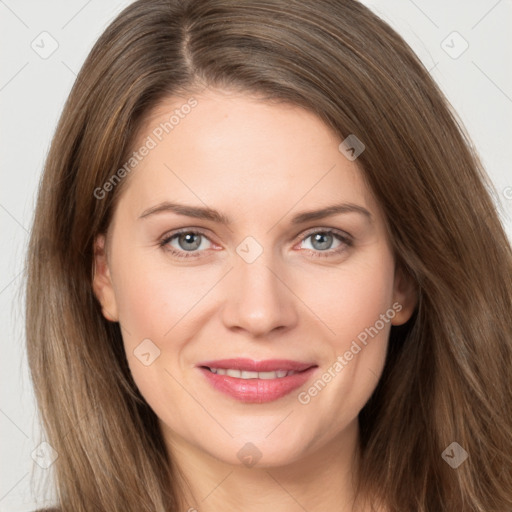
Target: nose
{"points": [[258, 299]]}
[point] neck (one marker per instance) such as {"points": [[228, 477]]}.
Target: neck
{"points": [[321, 479]]}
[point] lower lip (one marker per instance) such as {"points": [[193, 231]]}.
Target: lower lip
{"points": [[257, 390]]}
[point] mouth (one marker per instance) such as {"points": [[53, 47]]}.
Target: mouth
{"points": [[256, 381], [245, 374]]}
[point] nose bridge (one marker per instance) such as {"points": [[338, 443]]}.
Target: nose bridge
{"points": [[257, 301]]}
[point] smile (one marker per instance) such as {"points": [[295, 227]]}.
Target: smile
{"points": [[244, 374], [251, 381]]}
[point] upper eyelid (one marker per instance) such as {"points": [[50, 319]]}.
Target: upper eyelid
{"points": [[311, 231]]}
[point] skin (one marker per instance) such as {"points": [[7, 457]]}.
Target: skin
{"points": [[259, 164]]}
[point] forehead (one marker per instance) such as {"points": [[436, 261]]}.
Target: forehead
{"points": [[233, 149]]}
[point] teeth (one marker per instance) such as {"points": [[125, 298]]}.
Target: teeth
{"points": [[252, 375]]}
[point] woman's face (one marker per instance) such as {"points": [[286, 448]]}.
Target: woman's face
{"points": [[255, 274]]}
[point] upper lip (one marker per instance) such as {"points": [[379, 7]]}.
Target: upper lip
{"points": [[250, 365]]}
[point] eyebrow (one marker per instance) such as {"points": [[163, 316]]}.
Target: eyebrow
{"points": [[206, 213]]}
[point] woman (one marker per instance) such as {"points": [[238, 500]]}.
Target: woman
{"points": [[266, 271]]}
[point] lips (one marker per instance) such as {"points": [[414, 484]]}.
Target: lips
{"points": [[257, 390], [270, 365]]}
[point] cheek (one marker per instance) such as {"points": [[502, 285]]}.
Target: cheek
{"points": [[161, 308], [356, 304], [153, 299], [351, 298], [364, 297], [156, 309]]}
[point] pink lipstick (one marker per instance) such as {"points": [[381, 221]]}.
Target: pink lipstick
{"points": [[256, 381]]}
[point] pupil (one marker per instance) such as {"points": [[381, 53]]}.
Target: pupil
{"points": [[188, 238], [322, 241]]}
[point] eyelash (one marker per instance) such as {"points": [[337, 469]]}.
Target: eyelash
{"points": [[340, 235]]}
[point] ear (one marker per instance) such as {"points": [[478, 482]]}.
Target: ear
{"points": [[405, 297], [102, 283]]}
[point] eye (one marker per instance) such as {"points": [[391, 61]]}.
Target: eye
{"points": [[189, 243], [326, 242], [186, 241]]}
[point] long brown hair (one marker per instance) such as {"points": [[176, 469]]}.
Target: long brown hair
{"points": [[446, 377]]}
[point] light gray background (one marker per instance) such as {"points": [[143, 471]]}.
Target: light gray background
{"points": [[33, 89]]}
